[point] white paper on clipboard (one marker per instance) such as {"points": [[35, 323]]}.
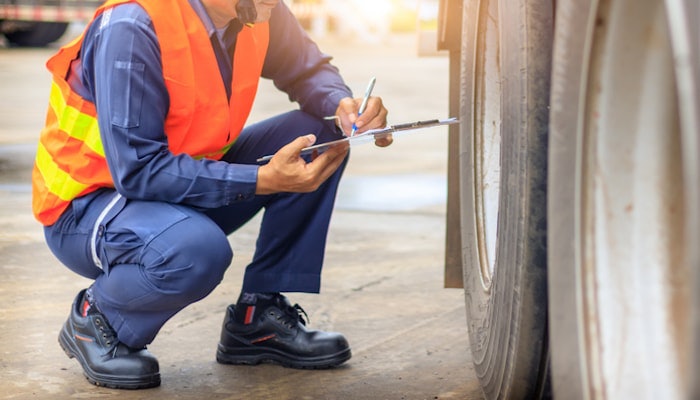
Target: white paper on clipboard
{"points": [[371, 135]]}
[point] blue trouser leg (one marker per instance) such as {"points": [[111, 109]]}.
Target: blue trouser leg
{"points": [[158, 257], [291, 244]]}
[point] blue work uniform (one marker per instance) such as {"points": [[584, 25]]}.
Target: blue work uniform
{"points": [[159, 241]]}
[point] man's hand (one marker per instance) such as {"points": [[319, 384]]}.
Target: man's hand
{"points": [[374, 117], [288, 172]]}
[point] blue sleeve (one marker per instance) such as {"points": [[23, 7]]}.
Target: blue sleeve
{"points": [[122, 72], [297, 66]]}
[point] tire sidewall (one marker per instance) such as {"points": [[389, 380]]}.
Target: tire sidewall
{"points": [[508, 323]]}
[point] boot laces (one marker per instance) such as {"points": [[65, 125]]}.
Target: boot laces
{"points": [[302, 316], [108, 335], [293, 315]]}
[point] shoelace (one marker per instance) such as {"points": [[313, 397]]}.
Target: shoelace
{"points": [[108, 335], [291, 315], [301, 314]]}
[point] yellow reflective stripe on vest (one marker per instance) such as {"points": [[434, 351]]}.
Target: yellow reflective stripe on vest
{"points": [[215, 155], [59, 182], [78, 125]]}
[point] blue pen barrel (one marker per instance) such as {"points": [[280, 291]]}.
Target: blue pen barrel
{"points": [[363, 105]]}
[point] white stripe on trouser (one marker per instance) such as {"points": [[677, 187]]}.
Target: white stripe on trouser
{"points": [[95, 228]]}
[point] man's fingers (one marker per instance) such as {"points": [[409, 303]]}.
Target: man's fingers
{"points": [[335, 160], [346, 113], [348, 107], [288, 172], [374, 116], [333, 153], [325, 164], [292, 150], [383, 140], [301, 142]]}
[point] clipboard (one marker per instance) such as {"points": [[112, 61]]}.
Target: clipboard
{"points": [[371, 135]]}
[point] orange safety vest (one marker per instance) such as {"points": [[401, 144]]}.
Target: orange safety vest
{"points": [[201, 121]]}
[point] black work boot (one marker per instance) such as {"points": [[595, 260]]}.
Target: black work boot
{"points": [[88, 337], [273, 331]]}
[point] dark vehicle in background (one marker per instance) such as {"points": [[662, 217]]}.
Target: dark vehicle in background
{"points": [[574, 197], [37, 23]]}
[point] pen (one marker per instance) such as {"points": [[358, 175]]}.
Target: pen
{"points": [[363, 105]]}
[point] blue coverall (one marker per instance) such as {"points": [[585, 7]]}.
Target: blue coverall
{"points": [[161, 244]]}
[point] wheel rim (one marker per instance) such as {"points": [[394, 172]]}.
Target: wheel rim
{"points": [[487, 140], [632, 235]]}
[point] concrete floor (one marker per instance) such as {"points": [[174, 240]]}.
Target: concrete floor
{"points": [[382, 282]]}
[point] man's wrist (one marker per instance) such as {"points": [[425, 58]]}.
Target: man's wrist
{"points": [[241, 182]]}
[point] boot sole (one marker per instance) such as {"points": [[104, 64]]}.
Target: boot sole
{"points": [[269, 356], [110, 381]]}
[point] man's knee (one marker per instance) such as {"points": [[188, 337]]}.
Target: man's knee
{"points": [[188, 261]]}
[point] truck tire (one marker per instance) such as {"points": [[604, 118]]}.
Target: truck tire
{"points": [[623, 199], [38, 34], [505, 69]]}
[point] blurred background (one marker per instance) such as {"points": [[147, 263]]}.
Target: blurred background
{"points": [[370, 21], [34, 23]]}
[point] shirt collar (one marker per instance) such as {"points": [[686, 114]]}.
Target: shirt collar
{"points": [[198, 7]]}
